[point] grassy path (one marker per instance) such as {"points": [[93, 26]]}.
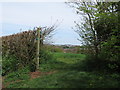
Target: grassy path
{"points": [[68, 74]]}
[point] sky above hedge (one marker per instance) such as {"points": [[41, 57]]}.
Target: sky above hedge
{"points": [[21, 16]]}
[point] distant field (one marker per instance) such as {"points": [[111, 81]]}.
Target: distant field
{"points": [[69, 58], [64, 71]]}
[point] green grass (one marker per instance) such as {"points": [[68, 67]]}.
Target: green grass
{"points": [[21, 74], [69, 58], [69, 74]]}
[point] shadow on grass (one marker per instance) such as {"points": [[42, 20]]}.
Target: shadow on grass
{"points": [[71, 79], [76, 79], [70, 75]]}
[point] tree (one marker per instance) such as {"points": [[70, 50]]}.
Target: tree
{"points": [[100, 18], [86, 30], [100, 29]]}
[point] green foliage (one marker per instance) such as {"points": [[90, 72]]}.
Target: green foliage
{"points": [[100, 63], [9, 64], [93, 63], [100, 31], [66, 60], [45, 55], [57, 50], [54, 48], [66, 76], [32, 66], [111, 48], [21, 74], [111, 51], [69, 58], [22, 46], [71, 79]]}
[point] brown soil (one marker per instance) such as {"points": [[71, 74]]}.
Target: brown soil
{"points": [[38, 74]]}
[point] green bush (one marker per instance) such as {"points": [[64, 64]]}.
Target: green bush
{"points": [[21, 74], [32, 66], [94, 63], [9, 64], [45, 56], [100, 63], [110, 50]]}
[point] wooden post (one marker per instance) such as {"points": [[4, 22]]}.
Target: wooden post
{"points": [[38, 48]]}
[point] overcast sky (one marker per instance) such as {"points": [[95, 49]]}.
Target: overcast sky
{"points": [[26, 15]]}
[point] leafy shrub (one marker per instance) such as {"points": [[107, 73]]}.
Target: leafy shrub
{"points": [[9, 64], [94, 63], [21, 74], [110, 50], [45, 56], [32, 66], [100, 63], [21, 45]]}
